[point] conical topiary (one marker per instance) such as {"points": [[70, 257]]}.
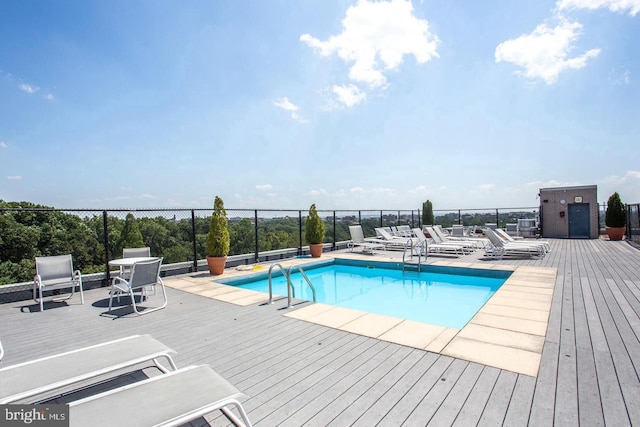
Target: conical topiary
{"points": [[218, 237], [616, 214]]}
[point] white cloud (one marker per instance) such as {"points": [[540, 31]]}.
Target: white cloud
{"points": [[14, 177], [28, 88], [349, 95], [543, 54], [3, 145], [376, 36], [633, 6], [48, 97], [287, 105], [263, 187], [356, 190], [620, 77], [319, 192]]}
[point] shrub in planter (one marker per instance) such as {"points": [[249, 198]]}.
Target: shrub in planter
{"points": [[615, 217], [218, 238], [314, 232]]}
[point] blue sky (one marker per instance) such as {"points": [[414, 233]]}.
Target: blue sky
{"points": [[346, 104]]}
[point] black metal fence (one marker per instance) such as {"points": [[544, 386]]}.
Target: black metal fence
{"points": [[94, 237]]}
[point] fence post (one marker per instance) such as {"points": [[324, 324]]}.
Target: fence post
{"points": [[497, 219], [255, 219], [105, 227], [334, 231], [195, 246], [459, 217], [299, 232]]}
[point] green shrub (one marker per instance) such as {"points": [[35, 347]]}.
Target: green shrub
{"points": [[218, 237], [616, 214], [313, 227], [427, 213]]}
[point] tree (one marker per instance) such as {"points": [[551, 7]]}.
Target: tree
{"points": [[131, 236], [427, 213]]}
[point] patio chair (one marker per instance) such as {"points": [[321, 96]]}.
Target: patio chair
{"points": [[145, 252], [144, 274], [172, 399], [506, 237], [136, 252], [23, 381], [498, 248], [436, 246], [358, 240], [389, 240], [54, 273], [468, 242]]}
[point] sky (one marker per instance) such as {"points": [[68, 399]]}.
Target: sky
{"points": [[277, 104]]}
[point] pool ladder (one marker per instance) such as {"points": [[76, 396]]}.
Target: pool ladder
{"points": [[291, 292], [408, 246]]}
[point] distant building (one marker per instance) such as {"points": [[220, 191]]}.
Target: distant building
{"points": [[569, 212]]}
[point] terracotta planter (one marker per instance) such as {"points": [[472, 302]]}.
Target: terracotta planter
{"points": [[316, 249], [615, 233], [216, 264]]}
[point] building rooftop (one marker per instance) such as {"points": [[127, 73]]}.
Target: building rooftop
{"points": [[300, 370]]}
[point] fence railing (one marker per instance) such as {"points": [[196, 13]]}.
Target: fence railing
{"points": [[94, 237]]}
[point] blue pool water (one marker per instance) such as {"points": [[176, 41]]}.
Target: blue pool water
{"points": [[443, 299]]}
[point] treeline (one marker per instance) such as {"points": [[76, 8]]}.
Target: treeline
{"points": [[29, 230]]}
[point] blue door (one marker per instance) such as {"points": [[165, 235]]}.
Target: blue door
{"points": [[579, 221]]}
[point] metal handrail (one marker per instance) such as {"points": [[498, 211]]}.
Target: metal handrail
{"points": [[409, 245], [291, 288], [284, 273]]}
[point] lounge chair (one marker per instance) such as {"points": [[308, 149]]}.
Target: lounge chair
{"points": [[358, 240], [144, 274], [498, 248], [389, 240], [466, 246], [165, 400], [468, 242], [54, 273], [437, 248], [508, 238], [26, 380]]}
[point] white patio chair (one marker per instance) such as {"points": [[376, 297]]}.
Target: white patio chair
{"points": [[144, 274], [145, 252], [53, 273]]}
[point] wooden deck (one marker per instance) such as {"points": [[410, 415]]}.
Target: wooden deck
{"points": [[298, 373]]}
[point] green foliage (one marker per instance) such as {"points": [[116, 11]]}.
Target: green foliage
{"points": [[313, 227], [616, 214], [218, 237], [131, 236], [427, 213]]}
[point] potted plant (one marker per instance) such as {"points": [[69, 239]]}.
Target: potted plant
{"points": [[615, 217], [218, 238], [314, 232]]}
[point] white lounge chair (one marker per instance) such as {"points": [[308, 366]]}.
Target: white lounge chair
{"points": [[468, 242], [389, 240], [172, 399], [437, 248], [53, 273], [508, 238], [498, 248], [26, 380], [466, 246], [358, 240], [144, 274]]}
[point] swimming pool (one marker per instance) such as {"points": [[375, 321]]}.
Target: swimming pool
{"points": [[438, 296]]}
